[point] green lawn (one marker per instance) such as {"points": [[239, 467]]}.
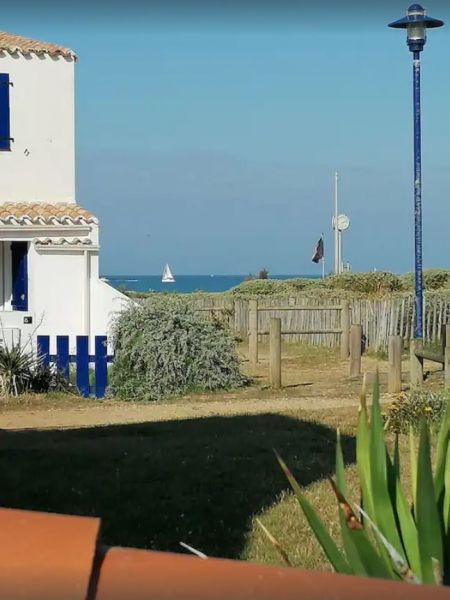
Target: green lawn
{"points": [[200, 481]]}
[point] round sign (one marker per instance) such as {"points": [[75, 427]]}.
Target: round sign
{"points": [[343, 222]]}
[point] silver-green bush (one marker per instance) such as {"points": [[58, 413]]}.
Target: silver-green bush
{"points": [[165, 348]]}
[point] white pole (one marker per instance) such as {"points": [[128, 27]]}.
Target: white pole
{"points": [[87, 293], [341, 264], [336, 232], [323, 268]]}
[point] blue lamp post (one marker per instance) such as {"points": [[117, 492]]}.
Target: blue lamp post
{"points": [[416, 23]]}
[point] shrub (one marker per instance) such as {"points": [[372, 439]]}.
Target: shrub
{"points": [[22, 371], [45, 379], [368, 283], [261, 287], [433, 279], [165, 348], [408, 410], [384, 534], [298, 285]]}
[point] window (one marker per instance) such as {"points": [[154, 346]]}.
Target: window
{"points": [[5, 136]]}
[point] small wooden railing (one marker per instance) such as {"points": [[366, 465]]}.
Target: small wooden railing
{"points": [[254, 332]]}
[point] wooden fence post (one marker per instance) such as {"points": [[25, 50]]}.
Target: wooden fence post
{"points": [[444, 338], [253, 331], [355, 350], [395, 364], [447, 358], [415, 362], [275, 353], [345, 327]]}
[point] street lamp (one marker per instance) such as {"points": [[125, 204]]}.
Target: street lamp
{"points": [[416, 24]]}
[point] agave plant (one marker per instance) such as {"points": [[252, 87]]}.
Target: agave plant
{"points": [[16, 368], [386, 535]]}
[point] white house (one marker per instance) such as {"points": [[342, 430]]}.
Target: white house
{"points": [[49, 245]]}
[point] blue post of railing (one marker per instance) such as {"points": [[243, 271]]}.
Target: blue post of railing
{"points": [[62, 354], [101, 369], [43, 349], [82, 363]]}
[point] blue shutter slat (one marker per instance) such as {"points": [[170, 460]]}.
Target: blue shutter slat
{"points": [[19, 260], [5, 134]]}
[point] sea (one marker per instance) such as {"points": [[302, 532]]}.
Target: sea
{"points": [[185, 284]]}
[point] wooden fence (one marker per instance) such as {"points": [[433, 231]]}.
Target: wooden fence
{"points": [[380, 318], [82, 359]]}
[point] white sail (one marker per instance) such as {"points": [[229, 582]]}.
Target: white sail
{"points": [[167, 276]]}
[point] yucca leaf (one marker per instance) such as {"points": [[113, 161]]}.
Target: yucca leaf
{"points": [[446, 507], [275, 543], [398, 562], [349, 545], [427, 517], [360, 552], [403, 513], [441, 454], [363, 452], [383, 508], [337, 560], [413, 463]]}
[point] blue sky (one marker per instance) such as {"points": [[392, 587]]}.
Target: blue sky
{"points": [[208, 138]]}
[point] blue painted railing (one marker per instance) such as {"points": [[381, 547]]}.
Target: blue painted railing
{"points": [[82, 360]]}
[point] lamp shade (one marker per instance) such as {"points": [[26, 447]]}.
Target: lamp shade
{"points": [[415, 15]]}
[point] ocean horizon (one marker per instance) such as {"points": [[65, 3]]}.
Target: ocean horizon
{"points": [[186, 284]]}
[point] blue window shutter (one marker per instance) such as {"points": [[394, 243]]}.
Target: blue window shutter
{"points": [[5, 134], [19, 263]]}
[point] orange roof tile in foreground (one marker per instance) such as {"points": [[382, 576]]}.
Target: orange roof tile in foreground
{"points": [[12, 43], [53, 557], [45, 557], [44, 213]]}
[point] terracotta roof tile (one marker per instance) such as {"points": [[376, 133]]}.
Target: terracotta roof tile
{"points": [[17, 43], [63, 242], [42, 213]]}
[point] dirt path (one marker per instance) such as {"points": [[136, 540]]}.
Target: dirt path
{"points": [[107, 414], [313, 379]]}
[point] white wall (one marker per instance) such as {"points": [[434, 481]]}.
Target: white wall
{"points": [[106, 303], [55, 292], [41, 163]]}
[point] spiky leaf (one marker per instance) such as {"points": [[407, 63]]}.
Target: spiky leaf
{"points": [[427, 517], [383, 509], [441, 454], [332, 552], [403, 513]]}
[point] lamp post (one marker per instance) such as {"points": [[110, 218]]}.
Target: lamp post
{"points": [[416, 23]]}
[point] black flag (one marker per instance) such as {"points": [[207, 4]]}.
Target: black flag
{"points": [[318, 252]]}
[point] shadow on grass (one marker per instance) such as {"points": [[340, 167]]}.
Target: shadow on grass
{"points": [[156, 484]]}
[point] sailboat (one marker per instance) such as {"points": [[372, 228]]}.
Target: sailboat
{"points": [[167, 276]]}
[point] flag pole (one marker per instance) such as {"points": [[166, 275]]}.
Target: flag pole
{"points": [[337, 268]]}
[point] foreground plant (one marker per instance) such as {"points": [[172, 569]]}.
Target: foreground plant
{"points": [[385, 535]]}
